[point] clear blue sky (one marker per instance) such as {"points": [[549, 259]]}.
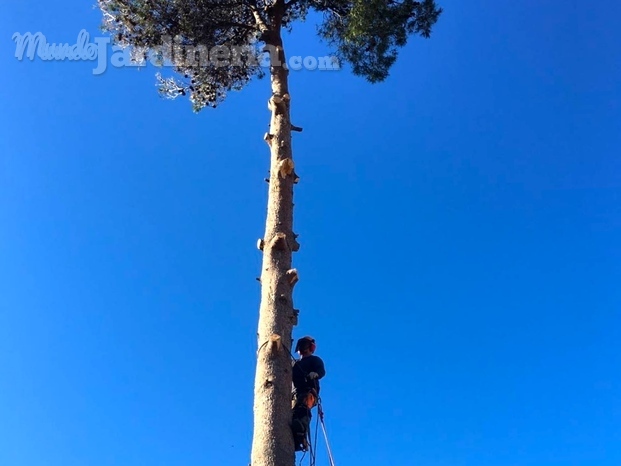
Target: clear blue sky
{"points": [[460, 263]]}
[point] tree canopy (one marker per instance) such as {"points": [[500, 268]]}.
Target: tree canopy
{"points": [[367, 34]]}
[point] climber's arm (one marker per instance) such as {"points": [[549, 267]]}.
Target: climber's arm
{"points": [[320, 369]]}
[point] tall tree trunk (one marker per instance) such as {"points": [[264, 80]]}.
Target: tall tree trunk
{"points": [[273, 442]]}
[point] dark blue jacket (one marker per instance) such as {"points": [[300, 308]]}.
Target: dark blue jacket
{"points": [[302, 368]]}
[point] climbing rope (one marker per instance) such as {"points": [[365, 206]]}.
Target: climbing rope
{"points": [[313, 445], [302, 459], [325, 433]]}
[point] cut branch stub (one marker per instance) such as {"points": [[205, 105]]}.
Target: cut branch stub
{"points": [[260, 244], [292, 277], [285, 167], [293, 244], [280, 242], [274, 344], [297, 129], [294, 317], [275, 104]]}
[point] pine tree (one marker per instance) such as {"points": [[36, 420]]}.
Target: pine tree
{"points": [[215, 46]]}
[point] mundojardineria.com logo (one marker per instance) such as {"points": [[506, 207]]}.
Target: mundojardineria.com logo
{"points": [[171, 52]]}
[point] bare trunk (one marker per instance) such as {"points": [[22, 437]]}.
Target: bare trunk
{"points": [[273, 442]]}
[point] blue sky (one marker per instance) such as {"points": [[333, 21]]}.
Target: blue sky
{"points": [[460, 260]]}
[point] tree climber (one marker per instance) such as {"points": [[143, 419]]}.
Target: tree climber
{"points": [[305, 374]]}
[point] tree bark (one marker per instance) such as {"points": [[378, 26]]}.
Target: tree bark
{"points": [[272, 443]]}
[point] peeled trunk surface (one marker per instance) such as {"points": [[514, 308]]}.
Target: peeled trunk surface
{"points": [[272, 443]]}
